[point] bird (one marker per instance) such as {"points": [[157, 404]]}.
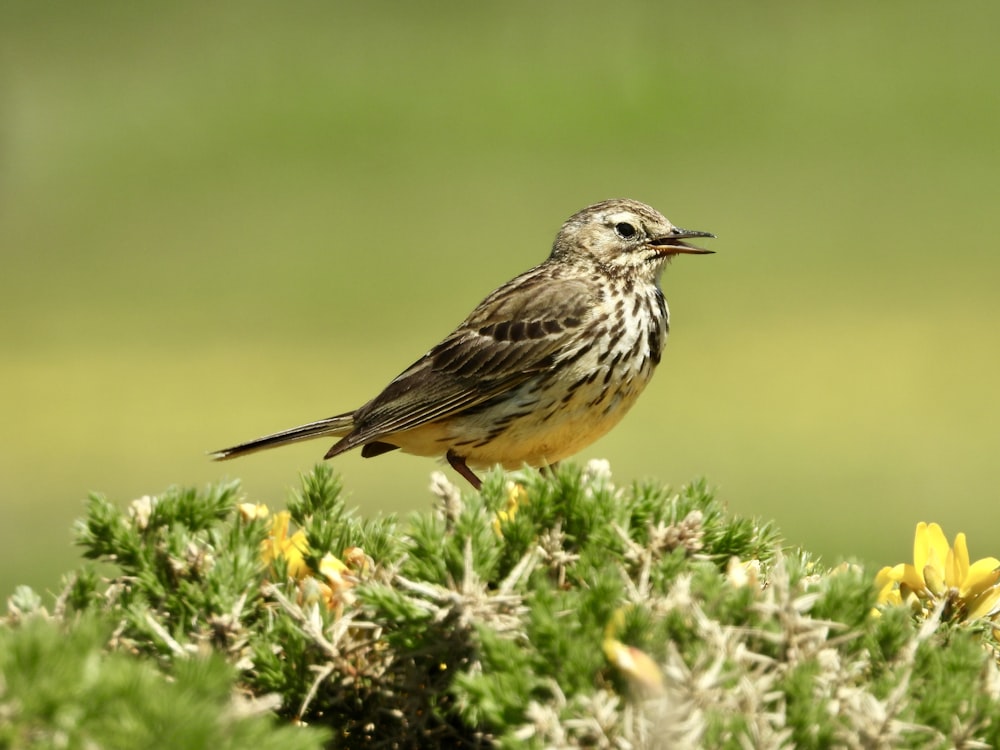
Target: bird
{"points": [[542, 367]]}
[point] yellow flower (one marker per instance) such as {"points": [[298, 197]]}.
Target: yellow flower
{"points": [[942, 572], [332, 568], [339, 582], [279, 545], [642, 673], [516, 494], [888, 592], [331, 583]]}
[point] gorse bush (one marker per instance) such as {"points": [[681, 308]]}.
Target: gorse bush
{"points": [[548, 611]]}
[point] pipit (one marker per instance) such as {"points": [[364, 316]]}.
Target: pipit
{"points": [[544, 366]]}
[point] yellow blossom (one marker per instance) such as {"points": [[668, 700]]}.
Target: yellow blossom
{"points": [[333, 580], [339, 582], [942, 572], [888, 592], [332, 568], [639, 669], [279, 545], [516, 495], [636, 665]]}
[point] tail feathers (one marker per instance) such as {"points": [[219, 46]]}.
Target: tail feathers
{"points": [[337, 426]]}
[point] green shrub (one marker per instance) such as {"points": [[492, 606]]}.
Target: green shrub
{"points": [[547, 611]]}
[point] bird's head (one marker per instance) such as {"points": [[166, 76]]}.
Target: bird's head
{"points": [[624, 238]]}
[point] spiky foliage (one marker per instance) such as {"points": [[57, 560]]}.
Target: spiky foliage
{"points": [[546, 611]]}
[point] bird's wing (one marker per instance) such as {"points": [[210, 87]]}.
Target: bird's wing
{"points": [[515, 333]]}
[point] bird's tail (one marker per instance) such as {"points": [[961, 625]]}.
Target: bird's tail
{"points": [[337, 426]]}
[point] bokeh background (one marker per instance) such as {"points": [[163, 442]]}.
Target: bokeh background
{"points": [[223, 219]]}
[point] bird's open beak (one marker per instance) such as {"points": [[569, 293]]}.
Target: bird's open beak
{"points": [[670, 244]]}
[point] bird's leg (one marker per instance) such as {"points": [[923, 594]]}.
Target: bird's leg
{"points": [[459, 465], [549, 470]]}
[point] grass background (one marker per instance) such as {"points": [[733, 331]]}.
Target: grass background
{"points": [[218, 220]]}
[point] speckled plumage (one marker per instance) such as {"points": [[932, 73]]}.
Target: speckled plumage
{"points": [[545, 365]]}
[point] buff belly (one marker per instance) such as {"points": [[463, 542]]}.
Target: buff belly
{"points": [[541, 432]]}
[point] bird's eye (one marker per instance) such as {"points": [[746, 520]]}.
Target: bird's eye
{"points": [[625, 230]]}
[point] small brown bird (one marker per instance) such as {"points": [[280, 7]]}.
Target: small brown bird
{"points": [[544, 366]]}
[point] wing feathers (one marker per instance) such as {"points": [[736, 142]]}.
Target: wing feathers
{"points": [[517, 332]]}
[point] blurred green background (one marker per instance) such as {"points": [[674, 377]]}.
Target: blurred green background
{"points": [[223, 219]]}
